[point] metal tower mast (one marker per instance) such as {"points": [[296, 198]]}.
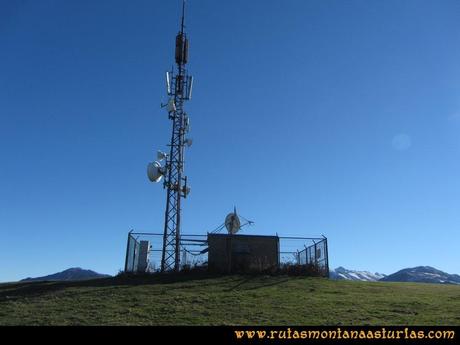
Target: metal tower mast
{"points": [[179, 88]]}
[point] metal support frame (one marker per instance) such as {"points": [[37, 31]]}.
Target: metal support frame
{"points": [[127, 250], [175, 183]]}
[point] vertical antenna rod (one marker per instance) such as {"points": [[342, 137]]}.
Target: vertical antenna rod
{"points": [[183, 17]]}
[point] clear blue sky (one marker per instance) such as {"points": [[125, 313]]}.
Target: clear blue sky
{"points": [[313, 117]]}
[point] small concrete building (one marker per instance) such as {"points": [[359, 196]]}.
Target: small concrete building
{"points": [[242, 253]]}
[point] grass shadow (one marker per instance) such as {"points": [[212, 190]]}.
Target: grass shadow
{"points": [[12, 291], [256, 282], [15, 291]]}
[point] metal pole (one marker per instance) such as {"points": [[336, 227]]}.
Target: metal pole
{"points": [[134, 255], [327, 256], [316, 257], [127, 251]]}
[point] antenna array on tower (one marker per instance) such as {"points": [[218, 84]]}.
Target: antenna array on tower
{"points": [[179, 88]]}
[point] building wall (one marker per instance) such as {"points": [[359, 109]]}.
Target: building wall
{"points": [[242, 253]]}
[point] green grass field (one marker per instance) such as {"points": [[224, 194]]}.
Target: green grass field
{"points": [[228, 300]]}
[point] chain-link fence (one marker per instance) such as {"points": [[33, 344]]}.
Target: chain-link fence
{"points": [[144, 252], [305, 251]]}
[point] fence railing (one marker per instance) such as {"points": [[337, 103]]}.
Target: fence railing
{"points": [[144, 252]]}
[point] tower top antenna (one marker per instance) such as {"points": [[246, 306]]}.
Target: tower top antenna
{"points": [[183, 17]]}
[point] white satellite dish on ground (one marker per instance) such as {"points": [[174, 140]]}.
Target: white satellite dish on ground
{"points": [[155, 172], [232, 223]]}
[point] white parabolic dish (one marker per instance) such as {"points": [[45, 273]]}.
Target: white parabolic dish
{"points": [[154, 171], [232, 223]]}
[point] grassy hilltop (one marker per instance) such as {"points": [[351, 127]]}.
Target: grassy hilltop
{"points": [[227, 300]]}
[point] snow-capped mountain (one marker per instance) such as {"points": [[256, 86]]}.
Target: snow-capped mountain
{"points": [[423, 274], [341, 273]]}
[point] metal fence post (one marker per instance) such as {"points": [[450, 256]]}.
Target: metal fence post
{"points": [[327, 255], [127, 251], [316, 256]]}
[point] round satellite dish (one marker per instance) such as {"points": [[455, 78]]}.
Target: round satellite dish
{"points": [[232, 223], [161, 155], [154, 172]]}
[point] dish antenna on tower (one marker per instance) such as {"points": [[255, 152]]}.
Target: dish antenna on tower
{"points": [[155, 171], [232, 222]]}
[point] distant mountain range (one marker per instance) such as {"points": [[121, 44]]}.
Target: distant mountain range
{"points": [[341, 273], [423, 274], [420, 274], [75, 273]]}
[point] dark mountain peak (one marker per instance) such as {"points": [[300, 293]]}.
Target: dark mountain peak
{"points": [[423, 274], [422, 270], [427, 269], [74, 273], [74, 269]]}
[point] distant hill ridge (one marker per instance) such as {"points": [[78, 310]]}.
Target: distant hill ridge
{"points": [[419, 274], [341, 273], [74, 273], [423, 274]]}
